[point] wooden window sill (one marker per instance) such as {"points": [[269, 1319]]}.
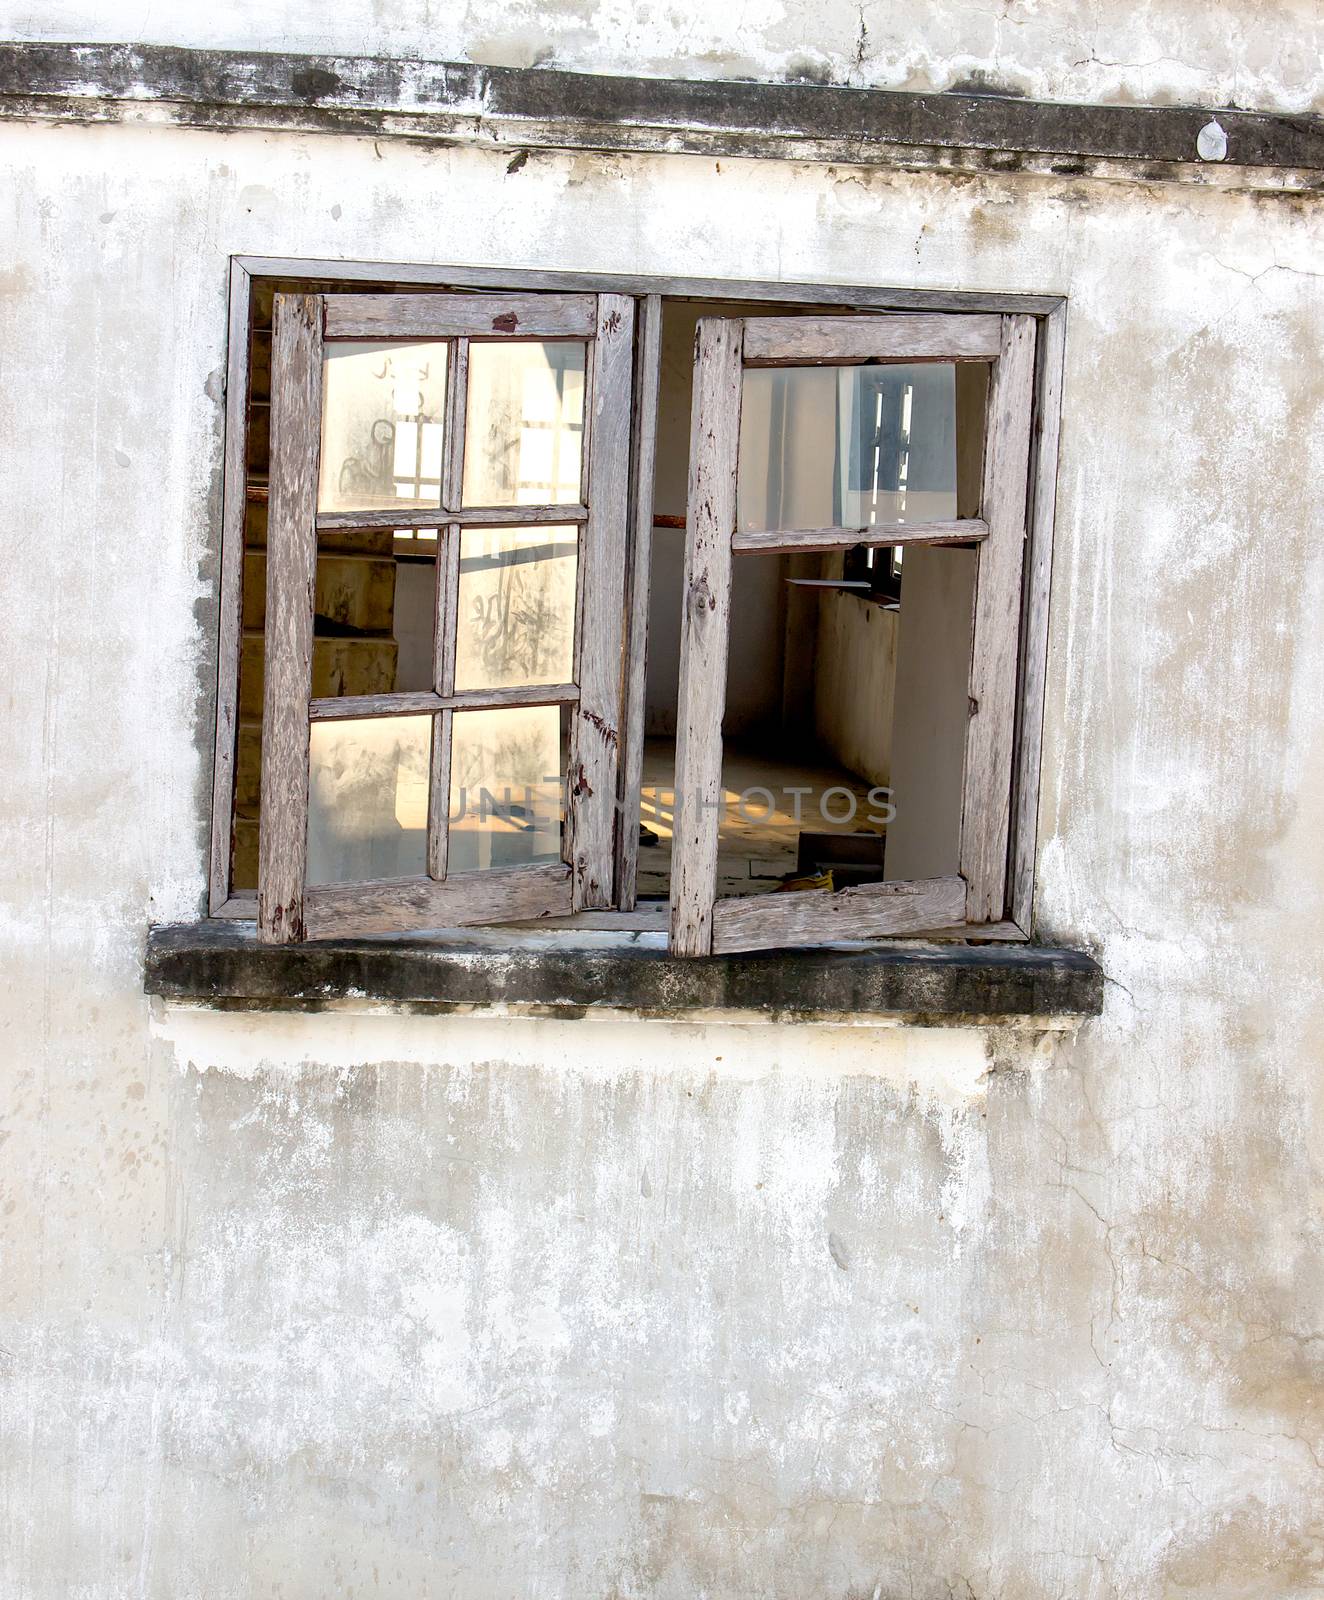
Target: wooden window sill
{"points": [[564, 974]]}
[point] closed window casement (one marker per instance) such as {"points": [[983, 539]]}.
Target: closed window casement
{"points": [[653, 610]]}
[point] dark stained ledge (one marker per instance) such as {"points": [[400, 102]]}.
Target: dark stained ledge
{"points": [[222, 964], [543, 108]]}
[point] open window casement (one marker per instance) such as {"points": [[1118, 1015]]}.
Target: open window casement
{"points": [[742, 506], [487, 436]]}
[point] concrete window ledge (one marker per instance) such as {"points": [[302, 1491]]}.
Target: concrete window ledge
{"points": [[565, 974]]}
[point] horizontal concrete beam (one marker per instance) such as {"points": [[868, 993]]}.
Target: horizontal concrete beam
{"points": [[513, 108], [222, 964]]}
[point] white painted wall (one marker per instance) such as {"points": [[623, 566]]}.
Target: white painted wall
{"points": [[855, 660], [380, 1305]]}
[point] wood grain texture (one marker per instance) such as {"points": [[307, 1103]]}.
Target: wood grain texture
{"points": [[586, 423], [457, 415], [349, 910], [445, 619], [836, 341], [242, 905], [518, 516], [296, 406], [439, 795], [818, 916], [835, 297], [402, 703], [452, 316], [978, 933], [537, 694], [595, 740], [990, 734], [1034, 633], [651, 916], [966, 530], [388, 517], [406, 702], [445, 638], [648, 366], [705, 627], [230, 621]]}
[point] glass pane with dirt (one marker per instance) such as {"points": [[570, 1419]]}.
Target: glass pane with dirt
{"points": [[507, 801], [368, 782], [383, 425], [524, 423], [516, 615]]}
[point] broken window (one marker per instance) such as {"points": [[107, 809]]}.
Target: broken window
{"points": [[664, 610]]}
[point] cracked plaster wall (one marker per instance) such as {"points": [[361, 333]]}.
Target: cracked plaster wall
{"points": [[399, 1306], [1264, 54]]}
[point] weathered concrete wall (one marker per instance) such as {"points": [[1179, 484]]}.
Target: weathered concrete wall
{"points": [[397, 1306], [1267, 54]]}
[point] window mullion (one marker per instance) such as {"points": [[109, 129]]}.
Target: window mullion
{"points": [[457, 401], [443, 667]]}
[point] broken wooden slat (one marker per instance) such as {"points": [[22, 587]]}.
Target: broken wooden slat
{"points": [[596, 732], [451, 316], [348, 910], [965, 530], [647, 373], [714, 441], [838, 341], [296, 402], [816, 916], [986, 804]]}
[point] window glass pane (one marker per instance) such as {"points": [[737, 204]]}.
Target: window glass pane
{"points": [[847, 447], [517, 607], [383, 416], [524, 424], [368, 799], [507, 793], [373, 610]]}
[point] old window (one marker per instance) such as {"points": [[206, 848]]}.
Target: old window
{"points": [[441, 799], [651, 610], [779, 464]]}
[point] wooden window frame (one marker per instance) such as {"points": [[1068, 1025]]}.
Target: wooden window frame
{"points": [[288, 908], [726, 348], [250, 273]]}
